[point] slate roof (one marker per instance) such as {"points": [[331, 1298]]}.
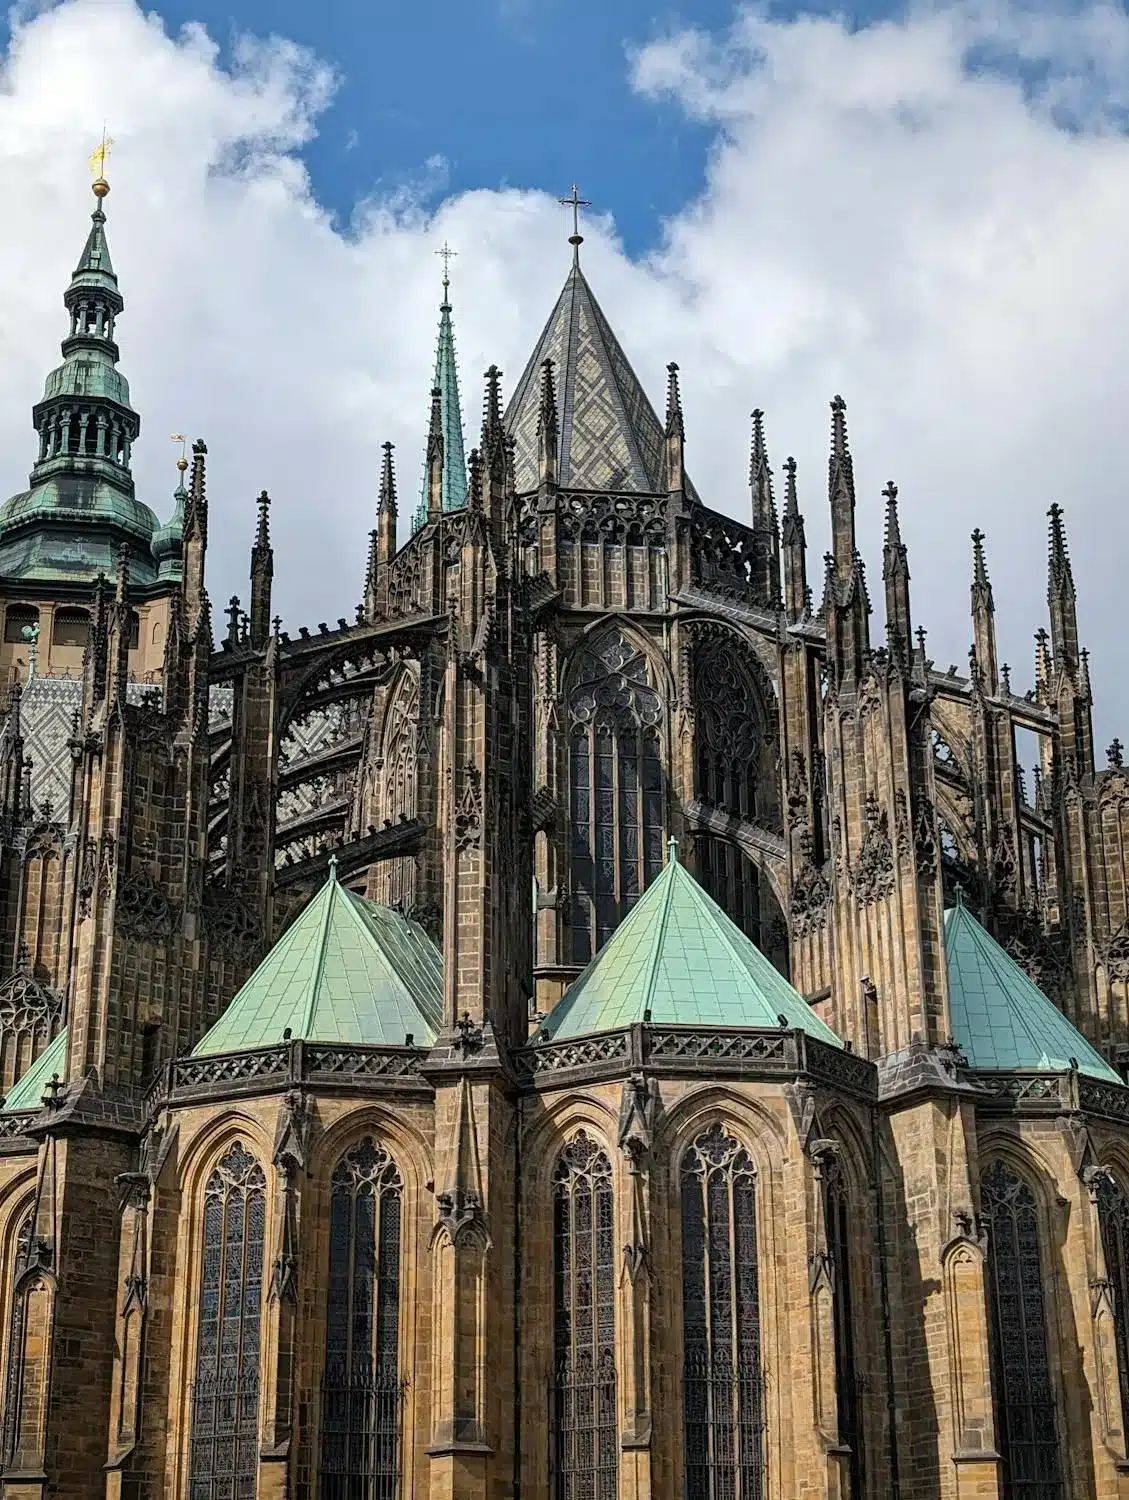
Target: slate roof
{"points": [[680, 957], [611, 437], [346, 970], [1000, 1018], [28, 1092]]}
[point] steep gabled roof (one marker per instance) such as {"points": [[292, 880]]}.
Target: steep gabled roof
{"points": [[678, 956], [610, 438], [28, 1092], [346, 970], [1000, 1018]]}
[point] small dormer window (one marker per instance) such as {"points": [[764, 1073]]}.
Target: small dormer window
{"points": [[18, 619], [71, 627]]}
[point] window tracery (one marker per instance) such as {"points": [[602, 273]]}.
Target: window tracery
{"points": [[1113, 1216], [728, 728], [1027, 1417], [361, 1388], [837, 1219], [585, 1435], [224, 1450], [723, 1387], [16, 1336], [616, 788]]}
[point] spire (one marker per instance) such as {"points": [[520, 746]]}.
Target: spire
{"points": [[1061, 597], [796, 600], [766, 531], [548, 433], [448, 421], [436, 456], [262, 572], [675, 431], [895, 575], [841, 492], [383, 549], [195, 536], [984, 618]]}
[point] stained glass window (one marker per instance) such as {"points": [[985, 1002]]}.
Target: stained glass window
{"points": [[723, 1388], [615, 788], [16, 1337], [728, 728], [1113, 1215], [1026, 1411], [837, 1219], [223, 1459], [360, 1435], [585, 1436]]}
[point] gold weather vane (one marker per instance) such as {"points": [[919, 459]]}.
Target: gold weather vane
{"points": [[97, 161], [446, 252], [182, 461]]}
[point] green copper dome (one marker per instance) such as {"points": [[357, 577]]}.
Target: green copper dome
{"points": [[168, 540], [678, 957], [346, 970], [79, 508], [1000, 1018]]}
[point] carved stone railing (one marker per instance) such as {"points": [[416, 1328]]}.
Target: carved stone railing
{"points": [[288, 1065], [12, 1138], [1097, 1097], [1027, 1091], [614, 516], [704, 1052], [724, 557]]}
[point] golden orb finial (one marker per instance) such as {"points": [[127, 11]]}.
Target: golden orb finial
{"points": [[182, 461], [100, 187]]}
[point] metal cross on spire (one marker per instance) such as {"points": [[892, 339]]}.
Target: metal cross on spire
{"points": [[576, 203], [446, 252]]}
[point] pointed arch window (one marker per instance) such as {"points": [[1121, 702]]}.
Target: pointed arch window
{"points": [[361, 1388], [616, 796], [1027, 1416], [729, 728], [1113, 1216], [837, 1220], [723, 1387], [223, 1459], [585, 1428], [20, 1264]]}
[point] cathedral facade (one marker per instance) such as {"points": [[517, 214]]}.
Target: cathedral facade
{"points": [[592, 1023]]}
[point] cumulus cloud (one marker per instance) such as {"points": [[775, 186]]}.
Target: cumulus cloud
{"points": [[926, 214]]}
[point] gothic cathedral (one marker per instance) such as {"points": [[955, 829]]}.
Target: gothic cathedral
{"points": [[590, 1024]]}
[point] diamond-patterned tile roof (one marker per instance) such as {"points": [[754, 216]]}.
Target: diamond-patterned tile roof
{"points": [[680, 957], [1000, 1017], [611, 437], [346, 970]]}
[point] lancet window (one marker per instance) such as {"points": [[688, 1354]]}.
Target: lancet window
{"points": [[837, 1219], [728, 728], [615, 787], [361, 1388], [16, 1336], [723, 1388], [1026, 1410], [1113, 1215], [224, 1451], [585, 1429], [398, 798]]}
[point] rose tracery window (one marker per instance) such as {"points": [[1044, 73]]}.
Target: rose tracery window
{"points": [[723, 1387], [223, 1459], [585, 1436], [1113, 1215], [1027, 1416], [360, 1434], [615, 786]]}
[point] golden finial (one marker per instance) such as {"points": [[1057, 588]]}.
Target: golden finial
{"points": [[98, 165], [182, 461]]}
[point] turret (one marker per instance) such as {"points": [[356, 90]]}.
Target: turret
{"points": [[492, 448], [436, 449], [675, 432], [766, 530], [1061, 597], [262, 572], [796, 601], [984, 619], [895, 576], [846, 600], [386, 510]]}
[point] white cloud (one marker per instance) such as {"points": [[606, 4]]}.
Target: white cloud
{"points": [[944, 247]]}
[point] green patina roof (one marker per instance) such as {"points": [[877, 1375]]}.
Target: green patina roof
{"points": [[454, 457], [28, 1092], [677, 955], [1000, 1018], [346, 970]]}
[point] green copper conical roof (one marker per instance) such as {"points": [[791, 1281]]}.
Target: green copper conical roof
{"points": [[346, 970], [1000, 1018], [446, 382], [678, 956], [28, 1092], [168, 540], [80, 507]]}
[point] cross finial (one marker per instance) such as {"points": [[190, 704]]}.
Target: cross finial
{"points": [[446, 253], [576, 203]]}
